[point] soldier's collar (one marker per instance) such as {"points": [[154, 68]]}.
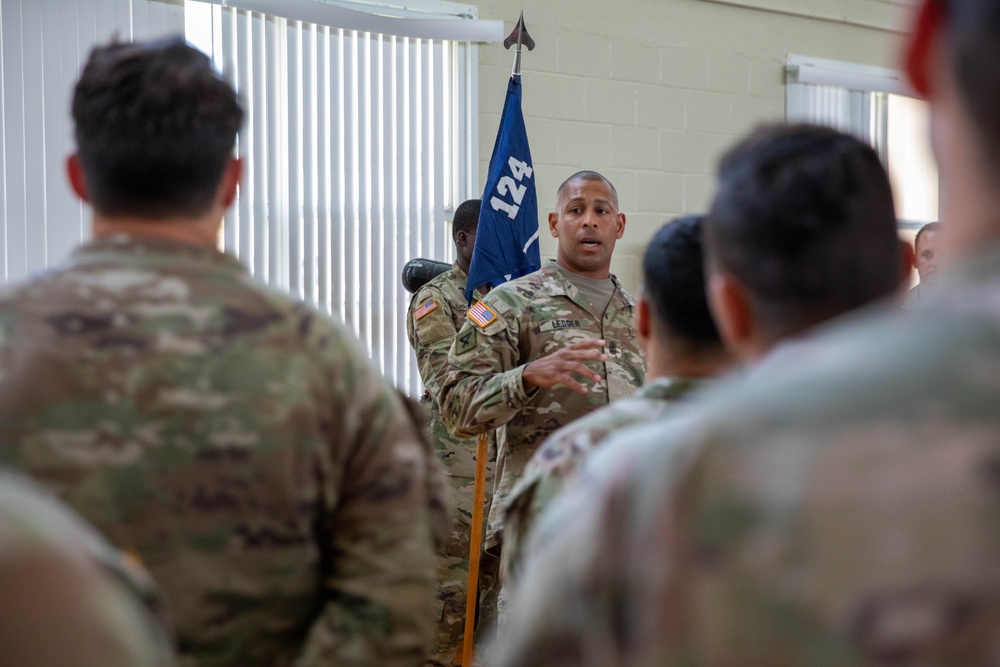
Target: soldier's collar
{"points": [[556, 284]]}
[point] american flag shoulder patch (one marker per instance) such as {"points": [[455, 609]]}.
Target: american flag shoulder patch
{"points": [[426, 307], [481, 314]]}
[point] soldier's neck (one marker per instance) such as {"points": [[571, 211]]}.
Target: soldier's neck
{"points": [[676, 359], [202, 231]]}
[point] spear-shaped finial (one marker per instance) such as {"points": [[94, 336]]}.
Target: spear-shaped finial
{"points": [[519, 35]]}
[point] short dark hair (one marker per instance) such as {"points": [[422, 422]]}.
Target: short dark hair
{"points": [[155, 128], [929, 227], [673, 277], [804, 218], [466, 217], [973, 43], [587, 175]]}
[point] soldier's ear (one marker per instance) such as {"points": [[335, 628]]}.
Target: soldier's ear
{"points": [[729, 302], [553, 221], [923, 45], [621, 226], [642, 317], [907, 262], [230, 183], [77, 177]]}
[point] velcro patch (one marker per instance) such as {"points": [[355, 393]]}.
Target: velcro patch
{"points": [[466, 342], [481, 314], [426, 307]]}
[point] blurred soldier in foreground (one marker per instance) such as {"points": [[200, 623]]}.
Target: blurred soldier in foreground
{"points": [[437, 312], [234, 438], [683, 350], [757, 524], [544, 349], [927, 254], [67, 598]]}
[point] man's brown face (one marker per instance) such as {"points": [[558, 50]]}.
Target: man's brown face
{"points": [[928, 253], [587, 224]]}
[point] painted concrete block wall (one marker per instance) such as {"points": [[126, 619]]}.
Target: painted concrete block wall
{"points": [[651, 92]]}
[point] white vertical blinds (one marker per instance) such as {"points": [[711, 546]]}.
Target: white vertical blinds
{"points": [[43, 45], [860, 113], [358, 146], [851, 98]]}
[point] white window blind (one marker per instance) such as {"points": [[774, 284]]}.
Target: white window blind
{"points": [[877, 105], [358, 146], [851, 98]]}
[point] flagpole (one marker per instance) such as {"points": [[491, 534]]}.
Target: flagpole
{"points": [[475, 549], [518, 36]]}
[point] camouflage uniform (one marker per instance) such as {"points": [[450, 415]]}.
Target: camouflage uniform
{"points": [[67, 597], [436, 313], [533, 316], [559, 457], [838, 506], [237, 440]]}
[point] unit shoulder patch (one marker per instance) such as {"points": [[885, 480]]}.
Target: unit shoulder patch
{"points": [[481, 314], [465, 342]]}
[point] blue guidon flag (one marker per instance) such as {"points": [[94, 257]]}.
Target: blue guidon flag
{"points": [[507, 236]]}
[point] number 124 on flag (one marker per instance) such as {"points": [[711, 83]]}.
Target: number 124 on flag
{"points": [[510, 186]]}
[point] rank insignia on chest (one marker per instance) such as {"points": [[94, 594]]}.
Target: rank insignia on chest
{"points": [[425, 308], [481, 314]]}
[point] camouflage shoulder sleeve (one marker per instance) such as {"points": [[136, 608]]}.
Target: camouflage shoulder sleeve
{"points": [[585, 534], [65, 597], [545, 476], [549, 614], [431, 329], [377, 528], [484, 387]]}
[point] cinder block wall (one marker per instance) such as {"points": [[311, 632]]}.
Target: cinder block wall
{"points": [[650, 92]]}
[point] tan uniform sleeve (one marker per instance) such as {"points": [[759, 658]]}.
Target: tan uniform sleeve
{"points": [[431, 337], [484, 388]]}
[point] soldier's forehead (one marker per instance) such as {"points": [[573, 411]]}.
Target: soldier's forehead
{"points": [[580, 189]]}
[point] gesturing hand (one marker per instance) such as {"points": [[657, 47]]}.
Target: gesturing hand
{"points": [[559, 367]]}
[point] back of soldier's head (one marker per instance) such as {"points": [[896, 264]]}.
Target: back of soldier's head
{"points": [[466, 217], [973, 46], [803, 218], [674, 284], [155, 127]]}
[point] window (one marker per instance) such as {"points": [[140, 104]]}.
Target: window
{"points": [[874, 104], [358, 147], [360, 139]]}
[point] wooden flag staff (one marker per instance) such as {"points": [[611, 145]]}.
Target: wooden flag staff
{"points": [[475, 548], [520, 37]]}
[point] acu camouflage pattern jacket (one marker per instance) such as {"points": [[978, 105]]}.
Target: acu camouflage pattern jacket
{"points": [[838, 506], [564, 452], [235, 439], [437, 312], [67, 597], [533, 316]]}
